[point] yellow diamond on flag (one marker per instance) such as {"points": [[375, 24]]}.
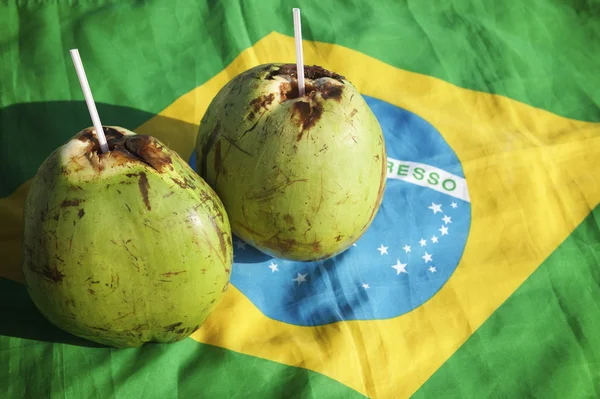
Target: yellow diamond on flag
{"points": [[531, 179]]}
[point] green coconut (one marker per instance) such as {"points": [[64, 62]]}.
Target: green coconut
{"points": [[301, 178], [126, 247]]}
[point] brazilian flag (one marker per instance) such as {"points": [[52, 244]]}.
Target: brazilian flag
{"points": [[479, 277]]}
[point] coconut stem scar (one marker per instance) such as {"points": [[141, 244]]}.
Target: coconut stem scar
{"points": [[89, 99]]}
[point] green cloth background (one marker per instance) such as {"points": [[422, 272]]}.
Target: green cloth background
{"points": [[543, 342]]}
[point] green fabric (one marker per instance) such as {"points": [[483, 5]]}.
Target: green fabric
{"points": [[540, 52], [545, 336], [50, 363]]}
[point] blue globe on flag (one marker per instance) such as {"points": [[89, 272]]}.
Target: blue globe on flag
{"points": [[408, 253]]}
